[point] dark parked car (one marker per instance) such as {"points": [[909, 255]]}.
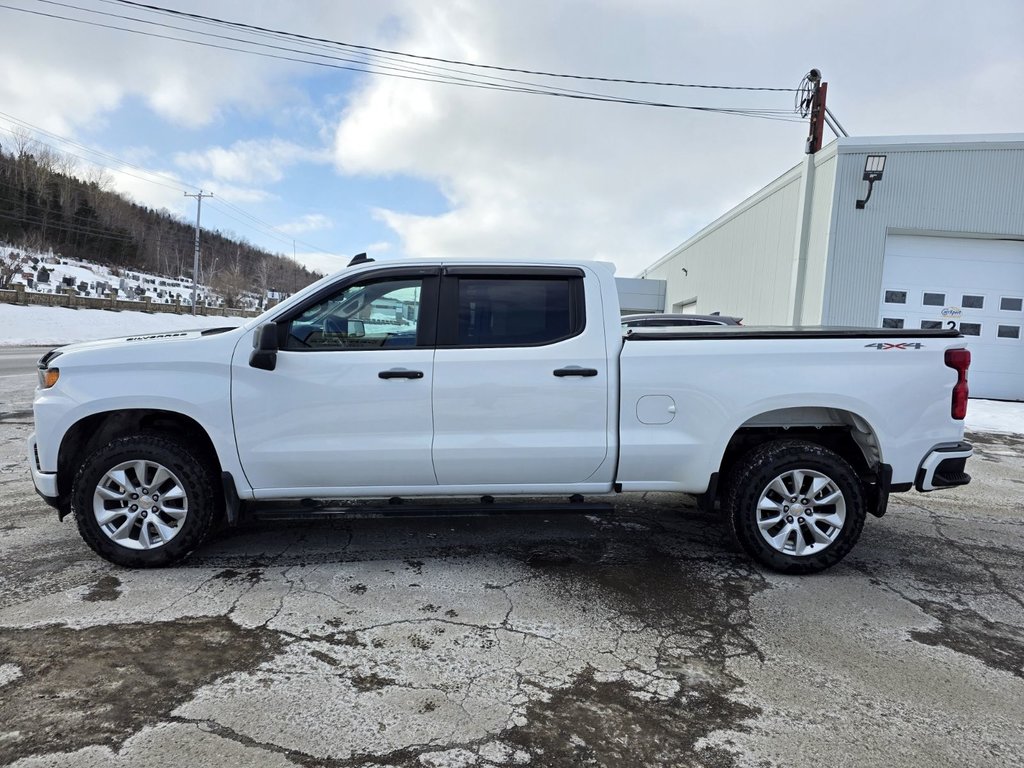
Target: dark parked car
{"points": [[676, 320]]}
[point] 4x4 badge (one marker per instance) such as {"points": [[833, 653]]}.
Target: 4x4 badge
{"points": [[902, 345]]}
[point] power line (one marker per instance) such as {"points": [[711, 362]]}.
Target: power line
{"points": [[768, 114], [61, 226], [296, 35], [271, 230], [29, 126], [398, 65]]}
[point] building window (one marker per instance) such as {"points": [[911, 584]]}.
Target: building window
{"points": [[931, 325], [892, 322], [1011, 305], [970, 329], [973, 302], [1009, 332], [895, 297], [934, 300]]}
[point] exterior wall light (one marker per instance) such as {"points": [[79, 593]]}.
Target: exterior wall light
{"points": [[873, 168]]}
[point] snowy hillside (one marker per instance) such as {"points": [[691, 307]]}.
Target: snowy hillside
{"points": [[50, 273]]}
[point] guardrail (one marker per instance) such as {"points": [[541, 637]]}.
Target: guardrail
{"points": [[71, 299]]}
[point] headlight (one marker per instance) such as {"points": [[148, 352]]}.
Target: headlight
{"points": [[48, 377]]}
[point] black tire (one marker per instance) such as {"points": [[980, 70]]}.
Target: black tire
{"points": [[750, 480], [190, 473]]}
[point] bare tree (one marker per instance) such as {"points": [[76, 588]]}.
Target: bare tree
{"points": [[98, 177], [10, 265], [262, 275]]}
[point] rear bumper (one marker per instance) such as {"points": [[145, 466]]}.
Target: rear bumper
{"points": [[944, 467]]}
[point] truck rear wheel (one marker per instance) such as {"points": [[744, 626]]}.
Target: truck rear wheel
{"points": [[143, 501], [795, 507]]}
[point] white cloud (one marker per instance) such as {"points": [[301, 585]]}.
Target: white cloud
{"points": [[525, 175], [163, 195], [311, 222], [59, 74], [254, 161], [556, 178], [235, 193], [324, 263]]}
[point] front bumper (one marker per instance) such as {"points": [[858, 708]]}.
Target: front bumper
{"points": [[45, 482], [944, 467]]}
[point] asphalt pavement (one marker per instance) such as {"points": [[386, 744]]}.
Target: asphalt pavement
{"points": [[19, 360], [639, 638]]}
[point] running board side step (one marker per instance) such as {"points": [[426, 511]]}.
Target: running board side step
{"points": [[311, 509]]}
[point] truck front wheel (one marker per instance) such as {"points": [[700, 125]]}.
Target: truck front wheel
{"points": [[143, 501], [795, 507]]}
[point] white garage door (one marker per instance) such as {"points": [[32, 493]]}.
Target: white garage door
{"points": [[930, 282]]}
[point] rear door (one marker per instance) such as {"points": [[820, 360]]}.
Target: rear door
{"points": [[521, 378]]}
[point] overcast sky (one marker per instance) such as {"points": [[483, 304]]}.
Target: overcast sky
{"points": [[345, 162]]}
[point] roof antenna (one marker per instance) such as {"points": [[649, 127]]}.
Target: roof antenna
{"points": [[359, 258]]}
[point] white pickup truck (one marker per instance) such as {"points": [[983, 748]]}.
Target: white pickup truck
{"points": [[413, 379]]}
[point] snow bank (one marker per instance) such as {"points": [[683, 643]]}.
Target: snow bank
{"points": [[41, 326], [995, 416]]}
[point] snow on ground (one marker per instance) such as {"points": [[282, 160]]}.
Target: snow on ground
{"points": [[41, 326], [995, 416]]}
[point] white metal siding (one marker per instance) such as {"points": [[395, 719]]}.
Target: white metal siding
{"points": [[640, 296], [969, 190], [817, 241], [741, 264]]}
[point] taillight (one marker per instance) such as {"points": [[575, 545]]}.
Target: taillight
{"points": [[959, 360]]}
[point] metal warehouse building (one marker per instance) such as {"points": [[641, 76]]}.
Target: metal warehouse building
{"points": [[900, 232]]}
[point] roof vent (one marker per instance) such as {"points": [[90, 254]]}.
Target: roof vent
{"points": [[359, 258]]}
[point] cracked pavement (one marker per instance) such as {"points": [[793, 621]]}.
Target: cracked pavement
{"points": [[637, 638]]}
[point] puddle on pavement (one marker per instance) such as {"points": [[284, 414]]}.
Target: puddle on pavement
{"points": [[100, 685], [994, 643], [603, 724]]}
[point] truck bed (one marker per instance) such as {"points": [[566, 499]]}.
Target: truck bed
{"points": [[786, 332]]}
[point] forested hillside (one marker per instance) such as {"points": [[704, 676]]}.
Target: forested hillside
{"points": [[45, 204]]}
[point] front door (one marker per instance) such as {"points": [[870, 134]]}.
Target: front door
{"points": [[347, 408]]}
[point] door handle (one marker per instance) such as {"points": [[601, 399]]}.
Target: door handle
{"points": [[575, 370], [400, 373]]}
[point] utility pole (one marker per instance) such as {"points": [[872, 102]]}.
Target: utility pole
{"points": [[195, 263], [810, 103], [814, 104]]}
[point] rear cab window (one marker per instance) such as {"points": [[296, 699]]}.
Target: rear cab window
{"points": [[527, 308]]}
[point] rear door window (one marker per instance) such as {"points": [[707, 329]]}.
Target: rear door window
{"points": [[523, 311]]}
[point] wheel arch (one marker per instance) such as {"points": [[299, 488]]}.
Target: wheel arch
{"points": [[840, 430], [98, 429]]}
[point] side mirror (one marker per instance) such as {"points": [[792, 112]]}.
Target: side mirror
{"points": [[264, 347], [356, 329]]}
